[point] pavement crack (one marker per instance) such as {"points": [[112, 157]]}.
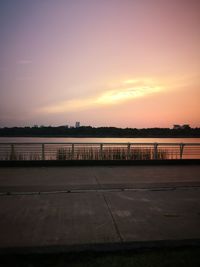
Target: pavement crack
{"points": [[113, 219], [97, 180], [99, 190]]}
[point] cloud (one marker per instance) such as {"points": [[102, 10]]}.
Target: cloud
{"points": [[125, 91], [116, 96]]}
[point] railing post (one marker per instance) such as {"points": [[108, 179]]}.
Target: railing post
{"points": [[12, 153], [181, 150], [128, 151], [72, 151], [155, 151], [43, 152], [101, 151]]}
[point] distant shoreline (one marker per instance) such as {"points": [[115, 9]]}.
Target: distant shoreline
{"points": [[100, 132]]}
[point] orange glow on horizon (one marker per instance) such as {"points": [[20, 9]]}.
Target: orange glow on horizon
{"points": [[108, 97]]}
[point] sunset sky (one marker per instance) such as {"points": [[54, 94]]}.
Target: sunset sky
{"points": [[123, 63]]}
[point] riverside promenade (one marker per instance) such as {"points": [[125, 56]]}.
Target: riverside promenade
{"points": [[46, 209]]}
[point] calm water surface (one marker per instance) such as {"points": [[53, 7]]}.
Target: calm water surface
{"points": [[96, 140]]}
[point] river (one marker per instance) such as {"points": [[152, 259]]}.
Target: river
{"points": [[95, 140], [52, 148]]}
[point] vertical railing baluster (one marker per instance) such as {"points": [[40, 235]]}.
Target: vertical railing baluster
{"points": [[43, 152], [181, 150], [101, 151], [12, 153], [72, 151], [128, 151], [155, 150]]}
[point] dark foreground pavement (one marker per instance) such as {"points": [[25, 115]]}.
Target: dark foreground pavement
{"points": [[98, 208]]}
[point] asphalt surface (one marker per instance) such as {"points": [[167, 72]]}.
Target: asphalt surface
{"points": [[91, 208]]}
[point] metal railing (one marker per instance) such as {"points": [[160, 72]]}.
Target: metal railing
{"points": [[98, 151]]}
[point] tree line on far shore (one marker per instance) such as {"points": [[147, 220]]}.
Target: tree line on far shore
{"points": [[88, 131]]}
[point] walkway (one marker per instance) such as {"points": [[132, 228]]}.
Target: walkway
{"points": [[78, 208]]}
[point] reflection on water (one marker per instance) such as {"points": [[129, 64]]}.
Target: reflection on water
{"points": [[96, 140]]}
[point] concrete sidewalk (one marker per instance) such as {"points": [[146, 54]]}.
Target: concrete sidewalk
{"points": [[107, 207], [38, 179]]}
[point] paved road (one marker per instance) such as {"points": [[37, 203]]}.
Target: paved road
{"points": [[67, 178], [89, 207]]}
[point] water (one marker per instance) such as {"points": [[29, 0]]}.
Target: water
{"points": [[27, 148], [95, 140]]}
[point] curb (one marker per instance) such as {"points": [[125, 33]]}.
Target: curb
{"points": [[67, 163], [103, 247]]}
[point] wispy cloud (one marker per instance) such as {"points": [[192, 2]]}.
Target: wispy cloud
{"points": [[125, 91]]}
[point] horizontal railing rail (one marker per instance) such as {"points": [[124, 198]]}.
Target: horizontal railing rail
{"points": [[98, 151]]}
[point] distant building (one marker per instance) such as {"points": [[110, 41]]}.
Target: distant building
{"points": [[181, 127], [185, 126], [77, 124], [177, 127]]}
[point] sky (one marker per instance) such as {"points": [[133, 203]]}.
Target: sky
{"points": [[122, 63]]}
